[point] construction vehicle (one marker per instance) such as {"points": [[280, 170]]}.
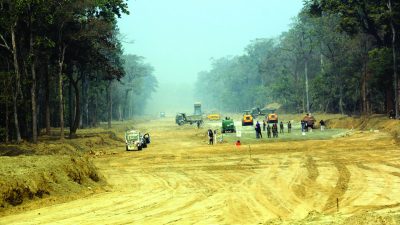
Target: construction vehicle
{"points": [[228, 125], [272, 118], [182, 118], [310, 120], [247, 119], [256, 112], [197, 109], [134, 140], [214, 116]]}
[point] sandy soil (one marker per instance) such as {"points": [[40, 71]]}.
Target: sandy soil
{"points": [[179, 179]]}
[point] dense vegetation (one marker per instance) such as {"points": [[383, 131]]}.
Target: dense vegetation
{"points": [[61, 65], [337, 57]]}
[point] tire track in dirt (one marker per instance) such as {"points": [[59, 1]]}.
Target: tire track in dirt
{"points": [[341, 186]]}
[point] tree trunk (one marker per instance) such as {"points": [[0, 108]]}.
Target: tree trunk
{"points": [[364, 89], [33, 91], [94, 119], [396, 81], [77, 115], [70, 104], [17, 86], [47, 101], [34, 105], [341, 100], [109, 103], [306, 77], [60, 88]]}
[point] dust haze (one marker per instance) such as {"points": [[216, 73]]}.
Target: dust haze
{"points": [[181, 38]]}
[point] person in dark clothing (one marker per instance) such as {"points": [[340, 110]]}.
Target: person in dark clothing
{"points": [[289, 126], [264, 125], [275, 130], [258, 130], [269, 131], [322, 124], [281, 127], [210, 137]]}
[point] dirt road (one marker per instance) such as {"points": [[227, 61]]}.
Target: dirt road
{"points": [[180, 179]]}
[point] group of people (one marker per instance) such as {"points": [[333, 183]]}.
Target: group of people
{"points": [[272, 130]]}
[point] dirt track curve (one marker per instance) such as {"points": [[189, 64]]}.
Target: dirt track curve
{"points": [[185, 181]]}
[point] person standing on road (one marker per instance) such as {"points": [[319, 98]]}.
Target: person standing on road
{"points": [[210, 137], [281, 127], [264, 125], [275, 130], [322, 124], [258, 130], [289, 126], [269, 131]]}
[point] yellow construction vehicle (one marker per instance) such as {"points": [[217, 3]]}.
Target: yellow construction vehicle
{"points": [[247, 119]]}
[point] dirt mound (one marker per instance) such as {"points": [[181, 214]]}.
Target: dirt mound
{"points": [[33, 177], [371, 123]]}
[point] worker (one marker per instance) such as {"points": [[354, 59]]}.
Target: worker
{"points": [[303, 129], [322, 124], [264, 125], [275, 130], [210, 137], [237, 143], [258, 130], [281, 127], [269, 131], [198, 124], [289, 126]]}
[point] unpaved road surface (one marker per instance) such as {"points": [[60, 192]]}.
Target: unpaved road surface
{"points": [[180, 179]]}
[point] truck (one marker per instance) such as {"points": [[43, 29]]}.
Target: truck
{"points": [[197, 109], [182, 118]]}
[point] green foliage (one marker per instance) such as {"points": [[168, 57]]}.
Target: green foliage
{"points": [[341, 54]]}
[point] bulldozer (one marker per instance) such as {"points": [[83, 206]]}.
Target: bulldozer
{"points": [[247, 119]]}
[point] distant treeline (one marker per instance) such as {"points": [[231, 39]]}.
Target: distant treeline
{"points": [[337, 57], [61, 65]]}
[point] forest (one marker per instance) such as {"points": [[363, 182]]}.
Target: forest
{"points": [[62, 66], [337, 57]]}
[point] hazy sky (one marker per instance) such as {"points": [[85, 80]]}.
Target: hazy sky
{"points": [[178, 37]]}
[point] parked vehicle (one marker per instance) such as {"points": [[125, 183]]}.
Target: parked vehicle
{"points": [[182, 118], [214, 116]]}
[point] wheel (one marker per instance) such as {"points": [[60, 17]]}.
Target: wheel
{"points": [[242, 123], [139, 148], [144, 145], [127, 148]]}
